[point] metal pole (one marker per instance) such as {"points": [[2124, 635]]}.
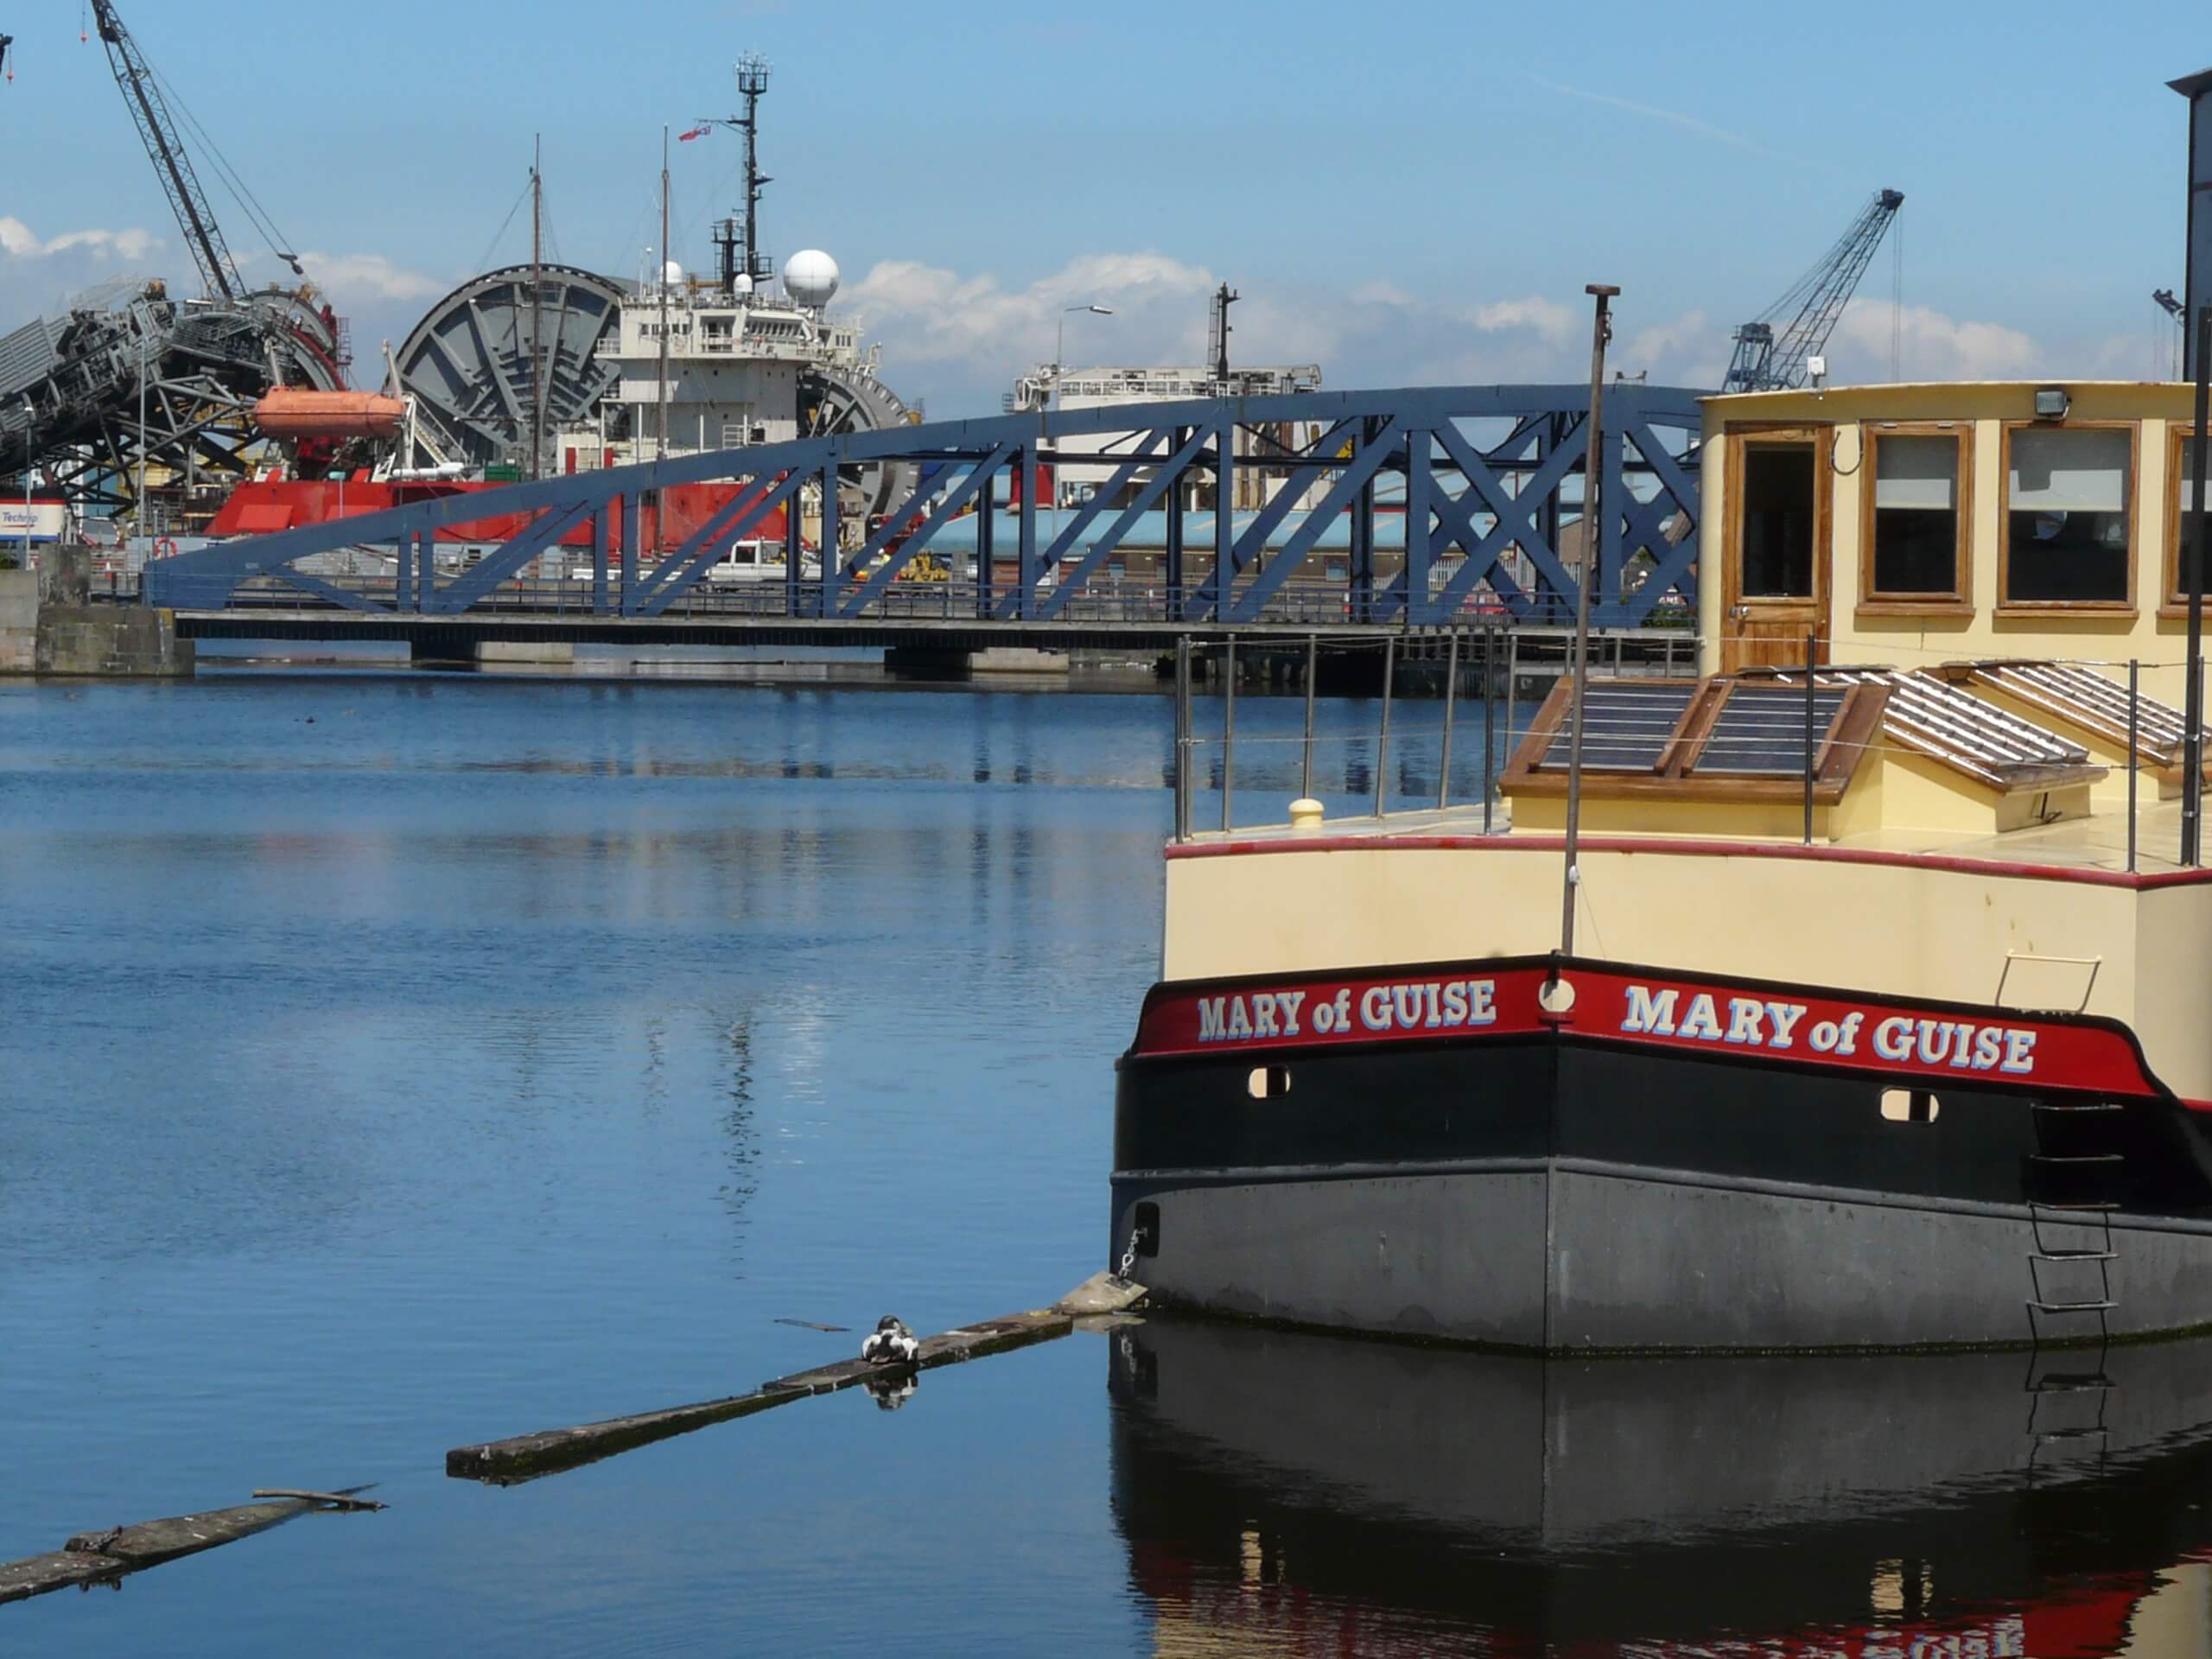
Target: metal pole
{"points": [[1451, 698], [1811, 645], [1313, 661], [1382, 740], [1183, 738], [30, 417], [138, 502], [1490, 729], [1593, 507], [1227, 726], [2133, 671], [2192, 771], [1512, 681]]}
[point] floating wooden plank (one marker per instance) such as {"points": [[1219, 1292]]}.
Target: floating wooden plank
{"points": [[327, 1500], [100, 1557], [550, 1451]]}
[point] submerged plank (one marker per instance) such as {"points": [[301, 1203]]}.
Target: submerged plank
{"points": [[94, 1557], [526, 1457]]}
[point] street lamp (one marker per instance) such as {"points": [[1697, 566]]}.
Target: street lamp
{"points": [[1059, 345]]}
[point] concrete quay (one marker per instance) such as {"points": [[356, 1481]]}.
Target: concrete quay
{"points": [[48, 626]]}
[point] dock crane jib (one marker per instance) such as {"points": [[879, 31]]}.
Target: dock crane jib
{"points": [[143, 94], [1773, 349]]}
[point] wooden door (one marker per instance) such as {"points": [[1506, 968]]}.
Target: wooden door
{"points": [[1776, 553]]}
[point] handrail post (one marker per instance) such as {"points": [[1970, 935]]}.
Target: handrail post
{"points": [[1382, 740], [1490, 727], [1312, 662], [1182, 737], [1451, 698], [2133, 670], [1812, 646], [1227, 726]]}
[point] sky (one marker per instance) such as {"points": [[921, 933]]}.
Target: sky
{"points": [[1405, 193]]}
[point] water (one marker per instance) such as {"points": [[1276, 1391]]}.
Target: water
{"points": [[395, 1061]]}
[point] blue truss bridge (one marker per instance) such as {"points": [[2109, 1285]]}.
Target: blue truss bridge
{"points": [[1421, 508]]}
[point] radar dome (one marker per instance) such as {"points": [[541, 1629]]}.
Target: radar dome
{"points": [[810, 277], [742, 283], [671, 273]]}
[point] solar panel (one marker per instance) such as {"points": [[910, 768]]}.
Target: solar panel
{"points": [[1761, 730], [1626, 727]]}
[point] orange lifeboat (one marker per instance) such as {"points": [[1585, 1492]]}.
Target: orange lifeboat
{"points": [[287, 412]]}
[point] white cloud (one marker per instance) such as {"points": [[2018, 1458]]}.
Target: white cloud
{"points": [[356, 276], [960, 339], [1380, 292], [19, 241], [1548, 319], [1932, 346], [926, 313]]}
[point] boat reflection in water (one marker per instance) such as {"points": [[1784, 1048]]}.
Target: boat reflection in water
{"points": [[1287, 1493]]}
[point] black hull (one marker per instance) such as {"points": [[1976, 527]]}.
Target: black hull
{"points": [[1558, 1191], [1305, 1495]]}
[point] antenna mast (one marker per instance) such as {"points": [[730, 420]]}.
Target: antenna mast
{"points": [[744, 230], [752, 82], [1223, 298]]}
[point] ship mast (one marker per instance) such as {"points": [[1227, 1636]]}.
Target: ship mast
{"points": [[660, 450], [1595, 508], [537, 306]]}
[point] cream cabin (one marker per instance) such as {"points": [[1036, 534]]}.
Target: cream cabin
{"points": [[1918, 526]]}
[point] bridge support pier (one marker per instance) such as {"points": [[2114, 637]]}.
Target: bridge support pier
{"points": [[525, 653], [945, 661]]}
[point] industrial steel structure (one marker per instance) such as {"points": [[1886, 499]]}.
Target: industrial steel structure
{"points": [[1441, 502], [133, 376]]}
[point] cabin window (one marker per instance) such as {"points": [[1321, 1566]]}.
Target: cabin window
{"points": [[2181, 498], [1268, 1082], [2067, 534], [1915, 532], [1777, 524]]}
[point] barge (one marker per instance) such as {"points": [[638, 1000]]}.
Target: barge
{"points": [[1885, 1027]]}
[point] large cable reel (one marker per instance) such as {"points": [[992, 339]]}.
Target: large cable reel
{"points": [[467, 364], [835, 399]]}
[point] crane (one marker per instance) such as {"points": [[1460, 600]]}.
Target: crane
{"points": [[1771, 352], [141, 91]]}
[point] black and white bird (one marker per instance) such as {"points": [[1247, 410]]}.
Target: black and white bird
{"points": [[890, 1344]]}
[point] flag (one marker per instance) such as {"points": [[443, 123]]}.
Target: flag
{"points": [[696, 132]]}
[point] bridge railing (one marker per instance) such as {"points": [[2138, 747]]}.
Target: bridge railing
{"points": [[1409, 505], [1303, 604]]}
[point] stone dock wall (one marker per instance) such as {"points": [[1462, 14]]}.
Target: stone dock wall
{"points": [[48, 624]]}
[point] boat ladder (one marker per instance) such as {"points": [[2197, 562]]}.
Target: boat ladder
{"points": [[2066, 1410], [2071, 1184]]}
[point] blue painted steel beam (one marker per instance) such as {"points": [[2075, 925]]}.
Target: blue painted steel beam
{"points": [[496, 567], [1215, 595], [1169, 477], [1352, 482], [956, 498], [727, 526], [1538, 414], [346, 599]]}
